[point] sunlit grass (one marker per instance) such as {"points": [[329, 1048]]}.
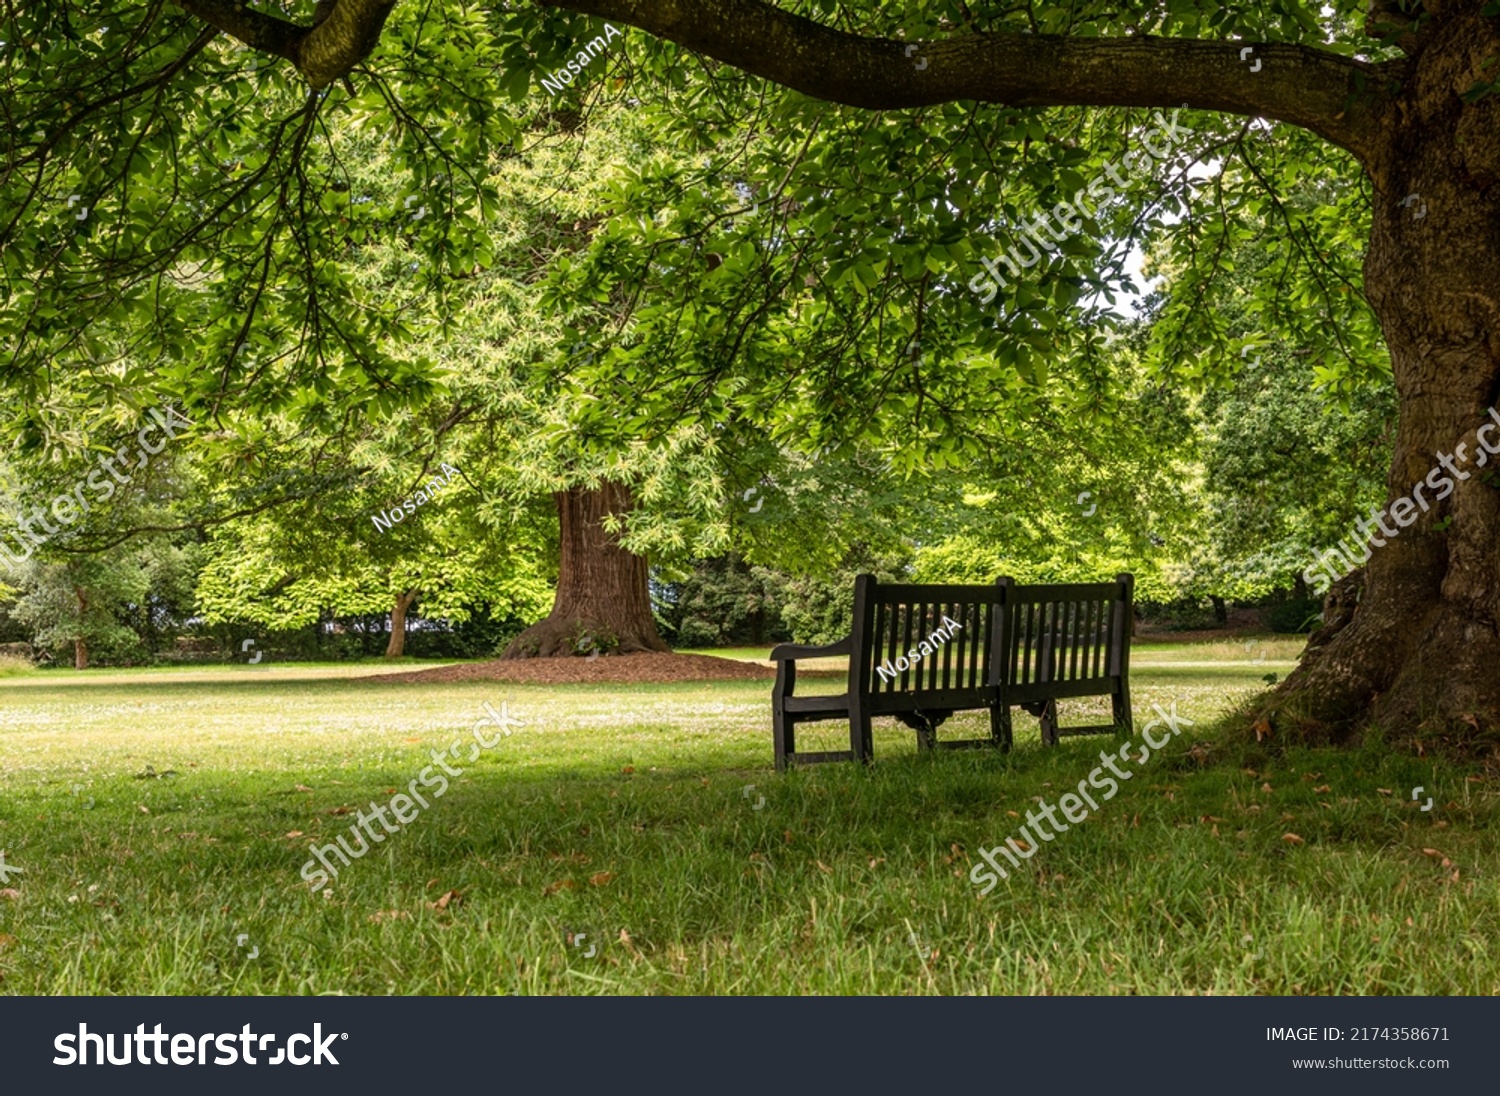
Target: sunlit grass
{"points": [[647, 819]]}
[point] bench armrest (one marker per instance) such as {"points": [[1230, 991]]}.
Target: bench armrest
{"points": [[790, 652]]}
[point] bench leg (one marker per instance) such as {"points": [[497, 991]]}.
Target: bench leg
{"points": [[861, 740], [784, 731], [1120, 702], [1000, 729], [1049, 723]]}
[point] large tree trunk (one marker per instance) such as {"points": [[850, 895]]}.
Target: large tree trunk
{"points": [[1422, 650], [603, 602], [397, 646]]}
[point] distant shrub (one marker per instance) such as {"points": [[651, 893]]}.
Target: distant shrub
{"points": [[1295, 615]]}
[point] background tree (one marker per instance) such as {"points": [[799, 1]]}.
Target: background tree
{"points": [[1399, 100]]}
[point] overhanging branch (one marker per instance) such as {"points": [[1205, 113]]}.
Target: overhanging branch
{"points": [[342, 35], [1311, 88]]}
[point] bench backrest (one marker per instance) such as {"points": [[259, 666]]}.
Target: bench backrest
{"points": [[949, 629], [1066, 640]]}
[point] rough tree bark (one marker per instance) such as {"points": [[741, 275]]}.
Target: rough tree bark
{"points": [[603, 602], [1423, 645], [397, 645]]}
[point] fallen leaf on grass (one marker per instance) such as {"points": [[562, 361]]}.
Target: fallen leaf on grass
{"points": [[1384, 791], [450, 898], [1013, 814], [1210, 818], [339, 810], [876, 861], [1292, 839], [824, 868], [1266, 787], [1431, 852], [562, 884], [599, 878], [1322, 788], [302, 787], [628, 769], [291, 834], [1262, 730], [143, 809]]}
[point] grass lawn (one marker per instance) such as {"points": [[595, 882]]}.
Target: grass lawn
{"points": [[633, 839]]}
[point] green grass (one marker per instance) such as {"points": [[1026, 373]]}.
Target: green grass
{"points": [[629, 814]]}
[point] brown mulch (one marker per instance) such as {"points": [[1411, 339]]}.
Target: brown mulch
{"points": [[647, 668]]}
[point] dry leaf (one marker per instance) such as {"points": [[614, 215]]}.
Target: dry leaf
{"points": [[1013, 814], [1431, 852], [1292, 839], [143, 809], [824, 868], [599, 878], [302, 787], [552, 888], [787, 836], [628, 769], [876, 861], [1322, 788], [292, 833], [1266, 787], [1384, 791], [1210, 818], [450, 898], [1022, 846], [1262, 730]]}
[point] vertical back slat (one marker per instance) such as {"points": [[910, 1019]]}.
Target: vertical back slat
{"points": [[1075, 641], [890, 639], [906, 646]]}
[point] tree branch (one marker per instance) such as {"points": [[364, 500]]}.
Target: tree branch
{"points": [[1335, 97], [342, 35]]}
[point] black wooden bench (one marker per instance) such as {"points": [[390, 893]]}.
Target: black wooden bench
{"points": [[920, 653]]}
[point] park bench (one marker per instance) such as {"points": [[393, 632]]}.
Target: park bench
{"points": [[986, 648]]}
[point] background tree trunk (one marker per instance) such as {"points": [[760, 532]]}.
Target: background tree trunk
{"points": [[1421, 650], [603, 601], [80, 642], [397, 646]]}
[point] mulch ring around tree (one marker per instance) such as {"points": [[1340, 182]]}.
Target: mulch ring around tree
{"points": [[643, 668]]}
